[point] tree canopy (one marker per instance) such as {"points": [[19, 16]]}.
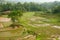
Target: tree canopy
{"points": [[31, 6]]}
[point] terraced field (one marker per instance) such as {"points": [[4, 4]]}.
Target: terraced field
{"points": [[34, 28]]}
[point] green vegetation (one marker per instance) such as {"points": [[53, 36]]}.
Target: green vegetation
{"points": [[30, 21]]}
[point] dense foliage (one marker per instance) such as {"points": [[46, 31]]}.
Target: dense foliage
{"points": [[45, 7]]}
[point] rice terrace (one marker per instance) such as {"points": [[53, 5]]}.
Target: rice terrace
{"points": [[29, 20]]}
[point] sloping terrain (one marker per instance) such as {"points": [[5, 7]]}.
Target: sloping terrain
{"points": [[43, 27], [34, 28]]}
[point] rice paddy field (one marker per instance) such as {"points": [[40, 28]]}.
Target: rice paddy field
{"points": [[40, 27]]}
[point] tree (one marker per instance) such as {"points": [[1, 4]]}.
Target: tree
{"points": [[15, 15], [56, 9]]}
